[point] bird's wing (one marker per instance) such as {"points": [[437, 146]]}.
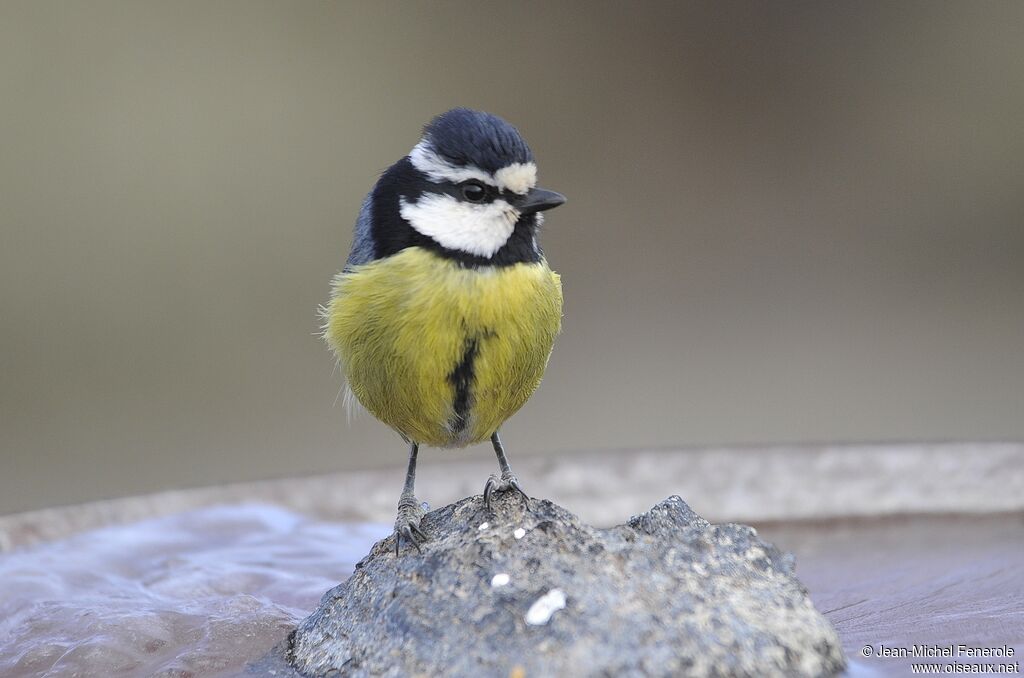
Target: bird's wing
{"points": [[362, 241]]}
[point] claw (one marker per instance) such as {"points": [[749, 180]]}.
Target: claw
{"points": [[412, 534], [407, 524], [488, 488], [514, 484], [505, 482]]}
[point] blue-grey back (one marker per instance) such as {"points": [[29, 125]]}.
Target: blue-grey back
{"points": [[362, 240]]}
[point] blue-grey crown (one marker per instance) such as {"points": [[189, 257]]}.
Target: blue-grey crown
{"points": [[467, 137]]}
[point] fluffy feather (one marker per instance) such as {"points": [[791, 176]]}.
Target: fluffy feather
{"points": [[403, 327]]}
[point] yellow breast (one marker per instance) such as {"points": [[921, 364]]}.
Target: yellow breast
{"points": [[442, 353]]}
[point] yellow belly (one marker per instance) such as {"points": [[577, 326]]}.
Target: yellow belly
{"points": [[441, 353]]}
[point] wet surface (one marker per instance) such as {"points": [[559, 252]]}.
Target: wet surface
{"points": [[205, 592], [194, 594], [903, 581]]}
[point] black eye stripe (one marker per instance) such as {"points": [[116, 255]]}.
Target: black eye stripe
{"points": [[424, 184]]}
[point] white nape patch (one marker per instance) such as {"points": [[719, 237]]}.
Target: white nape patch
{"points": [[479, 229], [500, 579], [519, 533], [518, 177], [545, 606], [483, 526], [425, 159]]}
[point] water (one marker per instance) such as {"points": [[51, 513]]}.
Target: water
{"points": [[201, 594], [194, 594]]}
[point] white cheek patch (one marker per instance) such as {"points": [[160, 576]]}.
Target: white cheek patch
{"points": [[425, 159], [518, 177], [479, 229]]}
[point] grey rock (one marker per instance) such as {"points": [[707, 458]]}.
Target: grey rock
{"points": [[666, 594]]}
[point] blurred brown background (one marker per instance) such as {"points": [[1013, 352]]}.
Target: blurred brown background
{"points": [[787, 222]]}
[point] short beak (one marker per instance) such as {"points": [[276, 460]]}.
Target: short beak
{"points": [[538, 200]]}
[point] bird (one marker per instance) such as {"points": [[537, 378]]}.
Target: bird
{"points": [[445, 313]]}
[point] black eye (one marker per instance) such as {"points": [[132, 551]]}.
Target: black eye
{"points": [[474, 191]]}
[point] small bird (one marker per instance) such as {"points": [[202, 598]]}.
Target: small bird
{"points": [[445, 314]]}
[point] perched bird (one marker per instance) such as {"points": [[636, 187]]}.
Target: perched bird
{"points": [[445, 313]]}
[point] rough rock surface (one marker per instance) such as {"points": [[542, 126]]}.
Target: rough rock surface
{"points": [[666, 594]]}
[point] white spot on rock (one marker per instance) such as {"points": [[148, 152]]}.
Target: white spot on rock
{"points": [[483, 526], [545, 606], [500, 579], [519, 533]]}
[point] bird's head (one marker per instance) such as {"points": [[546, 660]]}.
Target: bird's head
{"points": [[468, 189]]}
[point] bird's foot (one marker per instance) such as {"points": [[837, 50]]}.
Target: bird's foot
{"points": [[407, 524], [503, 483]]}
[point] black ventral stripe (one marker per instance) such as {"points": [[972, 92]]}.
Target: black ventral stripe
{"points": [[462, 379]]}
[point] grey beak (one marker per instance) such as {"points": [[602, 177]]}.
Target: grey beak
{"points": [[538, 200]]}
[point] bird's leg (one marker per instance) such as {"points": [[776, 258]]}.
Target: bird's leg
{"points": [[407, 524], [505, 481]]}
